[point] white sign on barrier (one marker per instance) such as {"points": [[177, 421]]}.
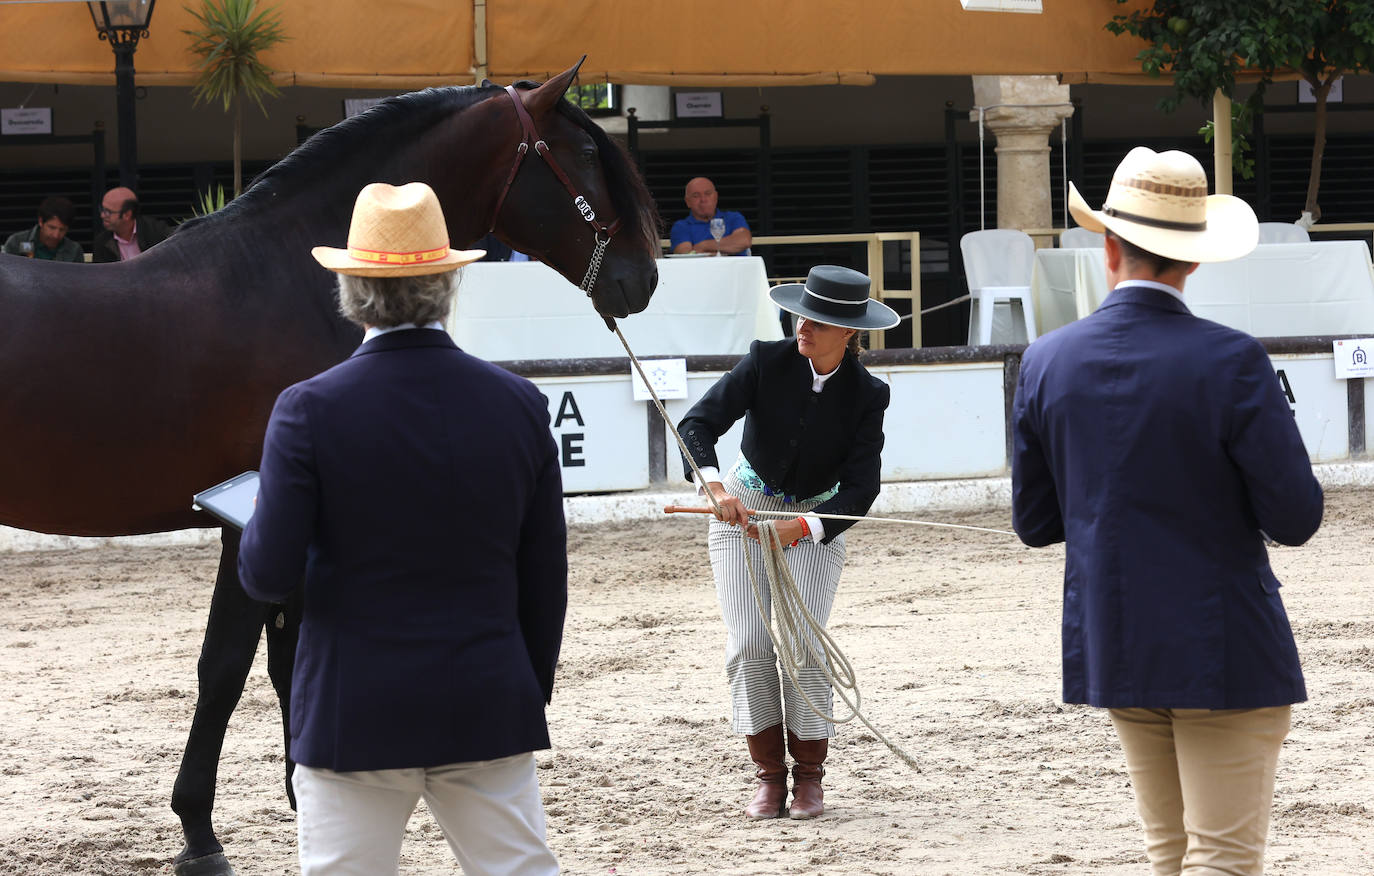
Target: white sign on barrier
{"points": [[599, 431], [668, 377], [1353, 357], [1318, 402]]}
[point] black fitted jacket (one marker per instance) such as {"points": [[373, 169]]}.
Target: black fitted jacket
{"points": [[798, 441]]}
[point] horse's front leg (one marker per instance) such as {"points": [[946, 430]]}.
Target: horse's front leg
{"points": [[283, 629], [226, 656]]}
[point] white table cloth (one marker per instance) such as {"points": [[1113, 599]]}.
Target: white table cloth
{"points": [[525, 310], [1280, 289]]}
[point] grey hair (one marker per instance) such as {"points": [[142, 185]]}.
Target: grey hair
{"points": [[388, 301]]}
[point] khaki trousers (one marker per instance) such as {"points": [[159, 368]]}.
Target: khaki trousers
{"points": [[1204, 784]]}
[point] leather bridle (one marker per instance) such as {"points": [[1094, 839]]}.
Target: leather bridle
{"points": [[530, 138]]}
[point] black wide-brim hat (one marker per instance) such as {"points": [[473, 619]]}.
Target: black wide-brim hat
{"points": [[835, 296]]}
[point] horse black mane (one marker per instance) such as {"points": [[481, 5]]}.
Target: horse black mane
{"points": [[629, 195], [323, 153], [405, 114]]}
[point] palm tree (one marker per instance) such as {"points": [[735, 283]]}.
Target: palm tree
{"points": [[229, 40]]}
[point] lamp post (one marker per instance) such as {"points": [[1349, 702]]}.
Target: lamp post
{"points": [[124, 23]]}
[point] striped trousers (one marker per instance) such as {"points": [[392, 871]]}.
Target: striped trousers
{"points": [[760, 697]]}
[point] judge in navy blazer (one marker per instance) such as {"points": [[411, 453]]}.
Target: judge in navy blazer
{"points": [[1160, 448], [415, 490]]}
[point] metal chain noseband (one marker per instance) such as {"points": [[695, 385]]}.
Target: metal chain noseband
{"points": [[530, 136], [594, 268]]}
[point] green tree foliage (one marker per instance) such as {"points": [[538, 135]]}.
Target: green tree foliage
{"points": [[229, 40], [1206, 44], [596, 96]]}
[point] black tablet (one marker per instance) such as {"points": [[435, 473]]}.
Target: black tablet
{"points": [[231, 501]]}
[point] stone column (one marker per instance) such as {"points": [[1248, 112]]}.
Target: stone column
{"points": [[1022, 112]]}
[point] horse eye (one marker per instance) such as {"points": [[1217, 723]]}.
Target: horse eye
{"points": [[589, 155]]}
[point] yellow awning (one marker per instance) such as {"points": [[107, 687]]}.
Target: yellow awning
{"points": [[803, 42], [397, 45], [405, 44]]}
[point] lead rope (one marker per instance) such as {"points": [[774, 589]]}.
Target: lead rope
{"points": [[790, 614]]}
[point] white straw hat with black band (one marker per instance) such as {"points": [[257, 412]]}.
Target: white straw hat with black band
{"points": [[835, 296], [1159, 202]]}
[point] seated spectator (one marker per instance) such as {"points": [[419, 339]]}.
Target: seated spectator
{"points": [[127, 233], [48, 239], [693, 234]]}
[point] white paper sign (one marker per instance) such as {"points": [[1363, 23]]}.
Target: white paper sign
{"points": [[698, 104], [26, 120], [1354, 357], [667, 376], [1307, 95]]}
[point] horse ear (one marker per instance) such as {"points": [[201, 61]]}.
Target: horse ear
{"points": [[545, 97]]}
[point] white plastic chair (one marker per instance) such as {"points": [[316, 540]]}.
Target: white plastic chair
{"points": [[1078, 237], [1282, 232], [998, 264]]}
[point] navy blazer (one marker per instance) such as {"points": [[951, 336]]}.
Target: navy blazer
{"points": [[416, 491], [798, 441], [1158, 445]]}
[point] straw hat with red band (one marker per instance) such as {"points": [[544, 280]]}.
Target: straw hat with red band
{"points": [[1159, 202], [397, 231]]}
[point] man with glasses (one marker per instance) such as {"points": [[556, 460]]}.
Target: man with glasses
{"points": [[127, 233]]}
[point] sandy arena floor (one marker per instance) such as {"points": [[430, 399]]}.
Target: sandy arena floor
{"points": [[954, 636]]}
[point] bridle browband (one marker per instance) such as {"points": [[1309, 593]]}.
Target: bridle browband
{"points": [[530, 137]]}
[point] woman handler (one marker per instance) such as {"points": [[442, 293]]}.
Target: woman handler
{"points": [[813, 432]]}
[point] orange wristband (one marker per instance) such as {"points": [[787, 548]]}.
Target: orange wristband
{"points": [[806, 530]]}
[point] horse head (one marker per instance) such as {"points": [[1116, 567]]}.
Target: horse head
{"points": [[573, 199]]}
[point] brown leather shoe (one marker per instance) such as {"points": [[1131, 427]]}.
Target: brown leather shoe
{"points": [[808, 800], [769, 754]]}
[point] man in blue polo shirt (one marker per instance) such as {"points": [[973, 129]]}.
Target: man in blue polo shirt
{"points": [[693, 234]]}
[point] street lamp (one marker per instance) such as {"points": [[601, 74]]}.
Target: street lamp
{"points": [[123, 23]]}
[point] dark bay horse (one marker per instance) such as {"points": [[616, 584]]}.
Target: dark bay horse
{"points": [[126, 388]]}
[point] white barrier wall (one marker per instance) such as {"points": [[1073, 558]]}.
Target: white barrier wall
{"points": [[945, 424], [1319, 403], [945, 421]]}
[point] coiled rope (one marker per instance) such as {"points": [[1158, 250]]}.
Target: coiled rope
{"points": [[797, 629], [796, 635]]}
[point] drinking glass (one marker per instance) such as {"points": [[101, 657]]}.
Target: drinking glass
{"points": [[717, 231], [26, 247]]}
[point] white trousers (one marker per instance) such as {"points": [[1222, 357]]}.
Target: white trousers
{"points": [[352, 823], [762, 696]]}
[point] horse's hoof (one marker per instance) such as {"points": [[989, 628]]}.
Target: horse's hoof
{"points": [[209, 865]]}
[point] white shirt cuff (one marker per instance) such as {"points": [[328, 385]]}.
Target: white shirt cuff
{"points": [[817, 527], [709, 473]]}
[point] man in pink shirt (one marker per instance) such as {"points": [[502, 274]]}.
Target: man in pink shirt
{"points": [[126, 232]]}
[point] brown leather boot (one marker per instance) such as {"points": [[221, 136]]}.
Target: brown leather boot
{"points": [[769, 754], [808, 801]]}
